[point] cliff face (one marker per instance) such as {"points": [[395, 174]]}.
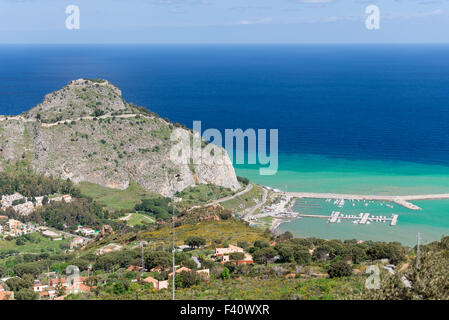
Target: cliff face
{"points": [[87, 132]]}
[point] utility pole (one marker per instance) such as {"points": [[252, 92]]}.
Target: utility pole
{"points": [[418, 239], [143, 261], [173, 247]]}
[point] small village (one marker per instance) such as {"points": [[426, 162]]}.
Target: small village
{"points": [[57, 288]]}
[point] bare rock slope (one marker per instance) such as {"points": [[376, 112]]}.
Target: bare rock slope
{"points": [[87, 132]]}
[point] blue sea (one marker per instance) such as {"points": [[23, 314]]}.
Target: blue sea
{"points": [[351, 118]]}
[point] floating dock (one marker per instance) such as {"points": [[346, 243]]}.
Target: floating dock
{"points": [[401, 200], [362, 218], [394, 220]]}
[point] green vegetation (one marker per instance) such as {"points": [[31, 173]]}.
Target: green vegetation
{"points": [[201, 194], [137, 219], [245, 201], [244, 181], [158, 207], [219, 232], [115, 199], [22, 179], [195, 241], [34, 243]]}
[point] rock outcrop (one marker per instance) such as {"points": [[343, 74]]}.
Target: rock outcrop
{"points": [[87, 132]]}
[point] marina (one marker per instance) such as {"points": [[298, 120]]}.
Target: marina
{"points": [[362, 218], [339, 199]]}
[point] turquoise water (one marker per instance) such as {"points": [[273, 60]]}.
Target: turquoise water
{"points": [[317, 173], [377, 113]]}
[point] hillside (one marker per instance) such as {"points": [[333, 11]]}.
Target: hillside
{"points": [[87, 132]]}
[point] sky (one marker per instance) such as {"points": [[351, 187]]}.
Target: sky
{"points": [[224, 21]]}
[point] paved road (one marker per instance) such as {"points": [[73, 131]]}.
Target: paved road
{"points": [[264, 199]]}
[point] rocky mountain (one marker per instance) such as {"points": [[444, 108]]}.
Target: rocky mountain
{"points": [[87, 132]]}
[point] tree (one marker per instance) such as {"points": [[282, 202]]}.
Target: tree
{"points": [[243, 180], [16, 284], [158, 206], [225, 215], [242, 244], [225, 274], [302, 256], [287, 235], [190, 278], [195, 242], [60, 288], [339, 269], [261, 244], [2, 271], [189, 263], [263, 255], [237, 256], [157, 258], [20, 241], [26, 294], [119, 287]]}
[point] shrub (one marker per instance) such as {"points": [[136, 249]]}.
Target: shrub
{"points": [[339, 269]]}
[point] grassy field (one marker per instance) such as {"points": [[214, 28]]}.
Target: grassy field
{"points": [[38, 245], [246, 200], [138, 218], [114, 198], [230, 231]]}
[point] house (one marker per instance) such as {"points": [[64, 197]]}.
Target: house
{"points": [[6, 295], [230, 249], [55, 281], [24, 208], [7, 200], [247, 259], [76, 286], [179, 271], [159, 269], [16, 227], [204, 273], [65, 198], [85, 230], [134, 268], [158, 285], [50, 294], [77, 241], [152, 280], [89, 231], [163, 284], [39, 287]]}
